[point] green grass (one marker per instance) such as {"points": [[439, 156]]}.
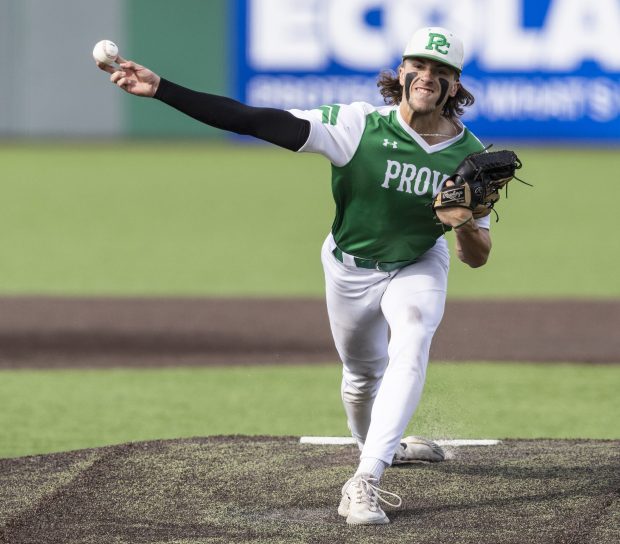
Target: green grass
{"points": [[45, 411], [161, 219], [204, 219]]}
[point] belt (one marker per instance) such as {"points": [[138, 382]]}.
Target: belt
{"points": [[370, 264]]}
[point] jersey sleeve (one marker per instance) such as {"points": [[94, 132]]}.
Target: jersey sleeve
{"points": [[335, 130]]}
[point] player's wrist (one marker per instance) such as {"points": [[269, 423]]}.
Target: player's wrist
{"points": [[468, 224], [155, 85]]}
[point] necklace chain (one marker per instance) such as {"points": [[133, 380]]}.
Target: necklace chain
{"points": [[434, 134]]}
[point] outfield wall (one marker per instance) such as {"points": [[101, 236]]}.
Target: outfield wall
{"points": [[541, 69], [50, 86]]}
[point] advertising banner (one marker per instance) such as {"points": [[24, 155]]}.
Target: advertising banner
{"points": [[539, 69]]}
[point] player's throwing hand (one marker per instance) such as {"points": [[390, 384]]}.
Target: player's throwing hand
{"points": [[131, 77]]}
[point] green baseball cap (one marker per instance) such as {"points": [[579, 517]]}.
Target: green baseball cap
{"points": [[438, 44]]}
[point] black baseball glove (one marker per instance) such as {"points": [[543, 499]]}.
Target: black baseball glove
{"points": [[477, 181]]}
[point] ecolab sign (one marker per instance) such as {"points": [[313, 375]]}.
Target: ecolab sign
{"points": [[538, 68]]}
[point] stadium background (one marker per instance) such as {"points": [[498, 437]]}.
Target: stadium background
{"points": [[543, 70]]}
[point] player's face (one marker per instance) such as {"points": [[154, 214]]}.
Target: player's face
{"points": [[427, 84]]}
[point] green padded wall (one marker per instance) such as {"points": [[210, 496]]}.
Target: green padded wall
{"points": [[185, 41]]}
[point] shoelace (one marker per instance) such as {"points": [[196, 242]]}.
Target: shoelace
{"points": [[374, 492]]}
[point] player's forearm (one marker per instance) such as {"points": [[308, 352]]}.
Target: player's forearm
{"points": [[473, 244], [276, 126]]}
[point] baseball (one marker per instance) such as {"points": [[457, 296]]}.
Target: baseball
{"points": [[105, 51]]}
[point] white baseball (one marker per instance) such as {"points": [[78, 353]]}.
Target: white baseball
{"points": [[105, 51]]}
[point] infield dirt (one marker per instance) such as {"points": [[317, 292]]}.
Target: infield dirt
{"points": [[49, 332]]}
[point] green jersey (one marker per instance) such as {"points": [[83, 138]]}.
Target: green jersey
{"points": [[384, 178]]}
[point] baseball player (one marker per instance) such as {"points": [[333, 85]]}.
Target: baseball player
{"points": [[386, 258]]}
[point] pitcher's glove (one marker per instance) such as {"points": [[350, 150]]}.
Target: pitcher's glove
{"points": [[477, 182]]}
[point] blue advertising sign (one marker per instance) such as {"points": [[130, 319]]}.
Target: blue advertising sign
{"points": [[539, 69]]}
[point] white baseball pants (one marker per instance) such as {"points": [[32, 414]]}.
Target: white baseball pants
{"points": [[382, 324]]}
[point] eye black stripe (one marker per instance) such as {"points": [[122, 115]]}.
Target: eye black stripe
{"points": [[408, 80]]}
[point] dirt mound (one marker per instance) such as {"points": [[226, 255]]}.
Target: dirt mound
{"points": [[267, 489]]}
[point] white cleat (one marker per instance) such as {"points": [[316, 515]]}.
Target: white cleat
{"points": [[360, 501], [415, 449]]}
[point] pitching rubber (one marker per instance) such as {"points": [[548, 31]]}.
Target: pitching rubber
{"points": [[346, 440]]}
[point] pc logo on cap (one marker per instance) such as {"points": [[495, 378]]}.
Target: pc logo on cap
{"points": [[438, 44]]}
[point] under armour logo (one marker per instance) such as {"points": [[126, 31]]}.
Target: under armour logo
{"points": [[386, 142]]}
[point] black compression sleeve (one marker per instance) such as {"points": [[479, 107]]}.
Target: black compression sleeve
{"points": [[279, 127]]}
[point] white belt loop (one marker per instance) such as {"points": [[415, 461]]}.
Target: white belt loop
{"points": [[332, 242], [348, 260]]}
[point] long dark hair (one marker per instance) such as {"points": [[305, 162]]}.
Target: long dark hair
{"points": [[392, 92]]}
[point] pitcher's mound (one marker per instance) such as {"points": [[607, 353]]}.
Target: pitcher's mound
{"points": [[267, 489]]}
